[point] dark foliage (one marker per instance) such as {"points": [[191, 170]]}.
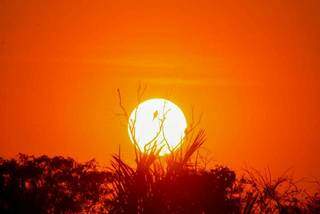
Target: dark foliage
{"points": [[172, 185], [31, 184], [186, 191], [50, 185]]}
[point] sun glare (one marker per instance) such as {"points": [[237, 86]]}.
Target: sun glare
{"points": [[157, 122]]}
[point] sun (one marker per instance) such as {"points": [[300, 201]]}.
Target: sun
{"points": [[157, 122]]}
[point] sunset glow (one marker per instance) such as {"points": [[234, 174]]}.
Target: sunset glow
{"points": [[157, 122], [251, 68]]}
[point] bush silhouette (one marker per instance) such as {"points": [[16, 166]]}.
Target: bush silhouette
{"points": [[176, 186]]}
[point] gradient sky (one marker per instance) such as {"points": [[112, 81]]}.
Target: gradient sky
{"points": [[251, 68]]}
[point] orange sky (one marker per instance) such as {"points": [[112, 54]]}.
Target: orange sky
{"points": [[252, 69]]}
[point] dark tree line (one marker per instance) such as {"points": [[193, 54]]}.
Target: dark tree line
{"points": [[176, 185], [31, 184]]}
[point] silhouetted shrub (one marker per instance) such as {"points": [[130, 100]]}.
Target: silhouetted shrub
{"points": [[174, 184]]}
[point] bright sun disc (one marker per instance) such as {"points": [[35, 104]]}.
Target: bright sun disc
{"points": [[157, 122]]}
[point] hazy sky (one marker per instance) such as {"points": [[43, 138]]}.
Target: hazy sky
{"points": [[251, 68]]}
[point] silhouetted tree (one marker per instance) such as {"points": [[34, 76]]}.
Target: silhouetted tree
{"points": [[51, 185], [173, 184]]}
